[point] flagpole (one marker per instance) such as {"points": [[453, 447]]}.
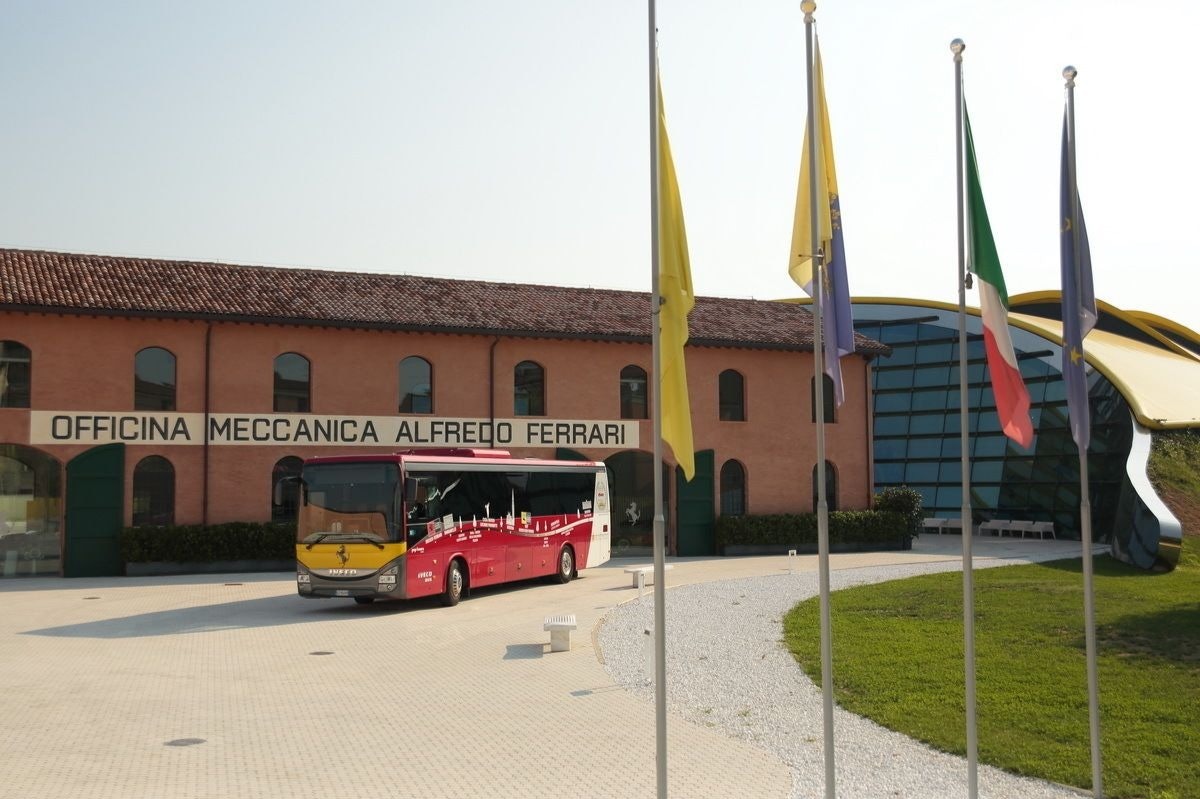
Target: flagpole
{"points": [[957, 46], [660, 665], [1085, 504], [808, 7]]}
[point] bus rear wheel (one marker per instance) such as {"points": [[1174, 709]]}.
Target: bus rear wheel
{"points": [[454, 584], [566, 565]]}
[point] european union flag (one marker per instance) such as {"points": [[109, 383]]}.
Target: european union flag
{"points": [[1078, 301]]}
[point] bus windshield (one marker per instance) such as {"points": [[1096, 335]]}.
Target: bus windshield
{"points": [[342, 502]]}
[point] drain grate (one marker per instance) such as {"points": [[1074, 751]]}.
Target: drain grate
{"points": [[320, 653], [184, 742]]}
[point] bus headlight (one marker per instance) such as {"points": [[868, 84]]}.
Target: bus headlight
{"points": [[303, 577], [387, 580]]}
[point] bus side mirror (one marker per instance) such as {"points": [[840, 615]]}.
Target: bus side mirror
{"points": [[414, 490], [277, 491]]}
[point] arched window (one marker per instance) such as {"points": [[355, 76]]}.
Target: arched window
{"points": [[16, 364], [153, 492], [830, 407], [285, 509], [154, 380], [293, 388], [30, 511], [416, 385], [831, 492], [529, 389], [635, 400], [733, 489], [732, 396]]}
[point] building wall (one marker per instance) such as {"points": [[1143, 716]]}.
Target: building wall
{"points": [[85, 364]]}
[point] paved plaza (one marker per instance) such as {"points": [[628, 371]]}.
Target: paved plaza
{"points": [[212, 686]]}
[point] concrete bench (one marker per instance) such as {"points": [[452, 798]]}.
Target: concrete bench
{"points": [[1041, 528], [560, 628], [644, 575], [994, 527]]}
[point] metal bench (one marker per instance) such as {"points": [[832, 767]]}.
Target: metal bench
{"points": [[644, 575], [934, 523], [560, 628]]}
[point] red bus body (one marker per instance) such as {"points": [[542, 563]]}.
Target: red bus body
{"points": [[399, 552]]}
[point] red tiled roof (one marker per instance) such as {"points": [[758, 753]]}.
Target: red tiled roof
{"points": [[66, 282]]}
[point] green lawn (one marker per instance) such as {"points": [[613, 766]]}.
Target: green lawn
{"points": [[898, 659]]}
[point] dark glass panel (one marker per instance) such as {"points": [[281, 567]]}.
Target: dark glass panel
{"points": [[416, 385], [635, 399], [285, 509], [16, 367], [732, 396], [529, 389], [153, 492], [292, 386], [154, 380], [733, 489]]}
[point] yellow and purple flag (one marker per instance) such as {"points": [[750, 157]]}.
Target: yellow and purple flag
{"points": [[837, 321]]}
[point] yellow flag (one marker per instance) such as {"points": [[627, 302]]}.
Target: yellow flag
{"points": [[800, 264], [675, 288]]}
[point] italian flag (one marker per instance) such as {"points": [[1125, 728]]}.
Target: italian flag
{"points": [[1012, 400]]}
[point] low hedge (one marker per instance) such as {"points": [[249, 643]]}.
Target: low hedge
{"points": [[797, 529], [194, 543]]}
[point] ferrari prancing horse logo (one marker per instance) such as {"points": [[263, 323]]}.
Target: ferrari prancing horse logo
{"points": [[341, 554]]}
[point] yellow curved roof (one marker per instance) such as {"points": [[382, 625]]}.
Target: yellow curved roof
{"points": [[1161, 386], [1161, 381]]}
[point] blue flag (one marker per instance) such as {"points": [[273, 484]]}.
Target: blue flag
{"points": [[1078, 302]]}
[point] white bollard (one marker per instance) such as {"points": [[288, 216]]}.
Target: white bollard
{"points": [[791, 560], [641, 581], [648, 653]]}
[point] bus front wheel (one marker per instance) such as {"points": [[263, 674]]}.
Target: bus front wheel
{"points": [[454, 584], [566, 565]]}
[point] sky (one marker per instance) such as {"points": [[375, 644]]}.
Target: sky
{"points": [[510, 141]]}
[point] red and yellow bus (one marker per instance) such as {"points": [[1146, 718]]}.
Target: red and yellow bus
{"points": [[429, 522]]}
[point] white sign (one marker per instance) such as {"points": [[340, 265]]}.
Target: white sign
{"points": [[281, 429]]}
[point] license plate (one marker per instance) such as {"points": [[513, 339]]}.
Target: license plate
{"points": [[341, 592]]}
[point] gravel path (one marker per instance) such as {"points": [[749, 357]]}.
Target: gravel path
{"points": [[727, 667]]}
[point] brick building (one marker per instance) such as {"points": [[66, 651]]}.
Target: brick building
{"points": [[138, 391]]}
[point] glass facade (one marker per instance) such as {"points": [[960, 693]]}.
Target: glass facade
{"points": [[917, 425]]}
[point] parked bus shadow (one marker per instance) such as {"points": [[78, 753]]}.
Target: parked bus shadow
{"points": [[243, 614]]}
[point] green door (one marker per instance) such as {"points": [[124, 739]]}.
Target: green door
{"points": [[696, 519], [95, 510]]}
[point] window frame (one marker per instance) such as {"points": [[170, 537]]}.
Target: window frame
{"points": [[628, 382], [278, 394], [165, 516], [173, 403], [520, 385], [10, 384], [729, 408], [416, 360]]}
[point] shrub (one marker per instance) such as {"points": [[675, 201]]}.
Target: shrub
{"points": [[193, 543], [906, 502], [797, 529]]}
